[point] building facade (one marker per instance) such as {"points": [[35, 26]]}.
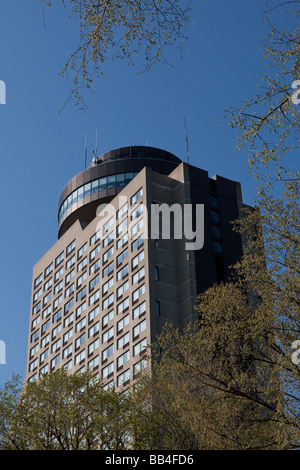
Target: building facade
{"points": [[106, 288]]}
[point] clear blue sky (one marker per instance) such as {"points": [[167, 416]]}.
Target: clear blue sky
{"points": [[42, 149]]}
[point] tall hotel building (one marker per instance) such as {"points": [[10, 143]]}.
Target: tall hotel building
{"points": [[105, 289]]}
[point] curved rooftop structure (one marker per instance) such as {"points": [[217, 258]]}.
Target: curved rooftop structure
{"points": [[105, 178]]}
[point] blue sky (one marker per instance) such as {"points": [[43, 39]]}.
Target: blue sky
{"points": [[41, 149]]}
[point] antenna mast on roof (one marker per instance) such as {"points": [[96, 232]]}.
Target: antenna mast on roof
{"points": [[96, 147], [85, 151], [187, 142]]}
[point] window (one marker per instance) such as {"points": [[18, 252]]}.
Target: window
{"points": [[71, 247], [68, 335], [137, 227], [81, 251], [122, 256], [69, 305], [136, 196], [137, 243], [34, 350], [94, 282], [82, 264], [68, 365], [107, 240], [94, 329], [69, 290], [122, 323], [45, 340], [217, 247], [80, 357], [81, 294], [95, 237], [38, 280], [56, 330], [138, 293], [68, 320], [55, 346], [139, 310], [108, 254], [45, 326], [123, 341], [49, 269], [59, 259], [48, 284], [36, 308], [107, 225], [93, 313], [47, 298], [122, 211], [70, 262], [140, 274], [95, 267], [156, 273], [67, 351], [122, 226], [108, 370], [44, 369], [107, 352], [55, 361], [93, 346], [213, 201], [108, 301], [80, 309], [107, 318], [47, 311], [106, 271], [122, 306], [122, 273], [216, 231], [94, 252], [139, 366], [94, 297], [37, 295], [35, 336], [122, 289], [122, 241], [57, 301], [157, 308], [93, 363], [57, 316], [33, 365], [123, 378], [123, 359], [44, 356], [107, 285], [81, 279], [214, 216], [58, 273], [79, 341], [108, 335], [137, 212], [139, 328], [35, 322], [140, 347], [80, 325]]}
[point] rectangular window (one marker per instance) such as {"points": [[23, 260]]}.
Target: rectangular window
{"points": [[59, 259], [107, 285], [56, 330], [48, 284], [138, 293], [70, 262], [58, 273], [95, 267], [69, 305], [57, 316], [94, 252], [139, 310], [108, 301], [68, 335], [136, 196], [107, 318], [122, 226], [93, 346], [35, 322], [140, 274], [36, 308], [93, 363], [123, 378], [122, 323], [44, 356], [71, 247], [137, 243], [37, 295], [106, 271], [69, 290], [137, 212], [139, 328], [107, 352], [38, 280], [157, 308], [93, 313], [122, 306], [122, 211], [122, 273], [107, 255], [45, 326], [123, 359], [94, 297], [140, 347], [81, 251], [48, 270], [81, 294], [79, 341], [107, 225], [82, 264], [137, 227], [68, 320], [55, 361], [139, 366], [122, 289], [80, 325], [94, 282], [80, 309], [108, 335], [35, 336], [55, 346], [57, 301], [93, 330], [156, 273], [81, 279], [47, 311], [123, 341], [45, 340], [122, 256], [122, 241], [95, 237], [80, 357], [67, 351], [47, 298], [107, 240], [108, 370]]}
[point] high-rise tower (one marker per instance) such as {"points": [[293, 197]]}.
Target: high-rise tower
{"points": [[106, 288]]}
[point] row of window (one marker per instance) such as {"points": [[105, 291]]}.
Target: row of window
{"points": [[100, 184]]}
